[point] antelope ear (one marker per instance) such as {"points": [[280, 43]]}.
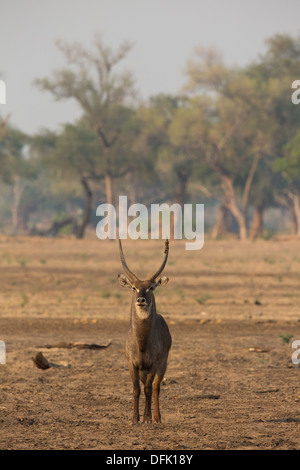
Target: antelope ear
{"points": [[162, 281], [124, 281]]}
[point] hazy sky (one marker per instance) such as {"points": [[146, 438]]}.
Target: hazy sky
{"points": [[164, 33]]}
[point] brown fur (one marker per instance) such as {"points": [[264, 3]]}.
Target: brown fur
{"points": [[147, 345]]}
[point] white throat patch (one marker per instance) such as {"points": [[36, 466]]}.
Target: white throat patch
{"points": [[143, 312]]}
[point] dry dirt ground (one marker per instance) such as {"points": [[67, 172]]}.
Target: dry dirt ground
{"points": [[233, 309]]}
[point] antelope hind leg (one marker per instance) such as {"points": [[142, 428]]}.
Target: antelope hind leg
{"points": [[156, 389]]}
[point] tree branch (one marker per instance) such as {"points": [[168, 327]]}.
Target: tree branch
{"points": [[107, 144], [249, 181]]}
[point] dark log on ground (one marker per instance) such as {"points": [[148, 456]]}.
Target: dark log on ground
{"points": [[55, 227], [70, 345]]}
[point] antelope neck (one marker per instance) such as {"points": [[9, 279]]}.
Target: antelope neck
{"points": [[142, 326]]}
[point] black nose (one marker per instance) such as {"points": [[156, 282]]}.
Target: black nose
{"points": [[141, 300]]}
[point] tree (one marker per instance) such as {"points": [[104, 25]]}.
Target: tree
{"points": [[105, 97], [188, 124], [16, 168], [277, 68], [236, 134], [3, 125], [289, 167], [266, 183], [73, 154], [154, 158]]}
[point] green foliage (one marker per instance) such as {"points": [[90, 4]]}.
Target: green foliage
{"points": [[232, 137], [25, 300], [202, 300], [286, 338], [105, 294], [289, 164]]}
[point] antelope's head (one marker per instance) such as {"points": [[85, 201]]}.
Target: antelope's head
{"points": [[143, 290]]}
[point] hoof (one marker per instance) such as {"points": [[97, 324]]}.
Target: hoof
{"points": [[135, 420], [147, 420]]}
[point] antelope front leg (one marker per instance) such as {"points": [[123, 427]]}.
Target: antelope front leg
{"points": [[156, 390], [148, 396], [136, 393]]}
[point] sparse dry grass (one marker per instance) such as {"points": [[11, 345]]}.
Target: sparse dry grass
{"points": [[78, 278], [230, 383]]}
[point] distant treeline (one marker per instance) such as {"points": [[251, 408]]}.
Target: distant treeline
{"points": [[229, 139]]}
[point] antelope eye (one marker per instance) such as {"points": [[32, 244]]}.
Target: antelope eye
{"points": [[133, 288]]}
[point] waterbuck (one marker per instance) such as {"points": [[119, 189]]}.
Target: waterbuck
{"points": [[148, 341]]}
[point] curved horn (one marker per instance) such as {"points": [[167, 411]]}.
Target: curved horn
{"points": [[129, 273], [163, 263]]}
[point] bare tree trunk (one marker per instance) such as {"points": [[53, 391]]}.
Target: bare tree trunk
{"points": [[181, 194], [109, 200], [180, 198], [241, 220], [109, 174], [223, 223], [248, 184], [109, 188], [231, 204], [286, 200], [257, 222], [293, 221], [87, 210], [294, 196], [220, 226], [18, 189], [23, 220], [297, 211]]}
